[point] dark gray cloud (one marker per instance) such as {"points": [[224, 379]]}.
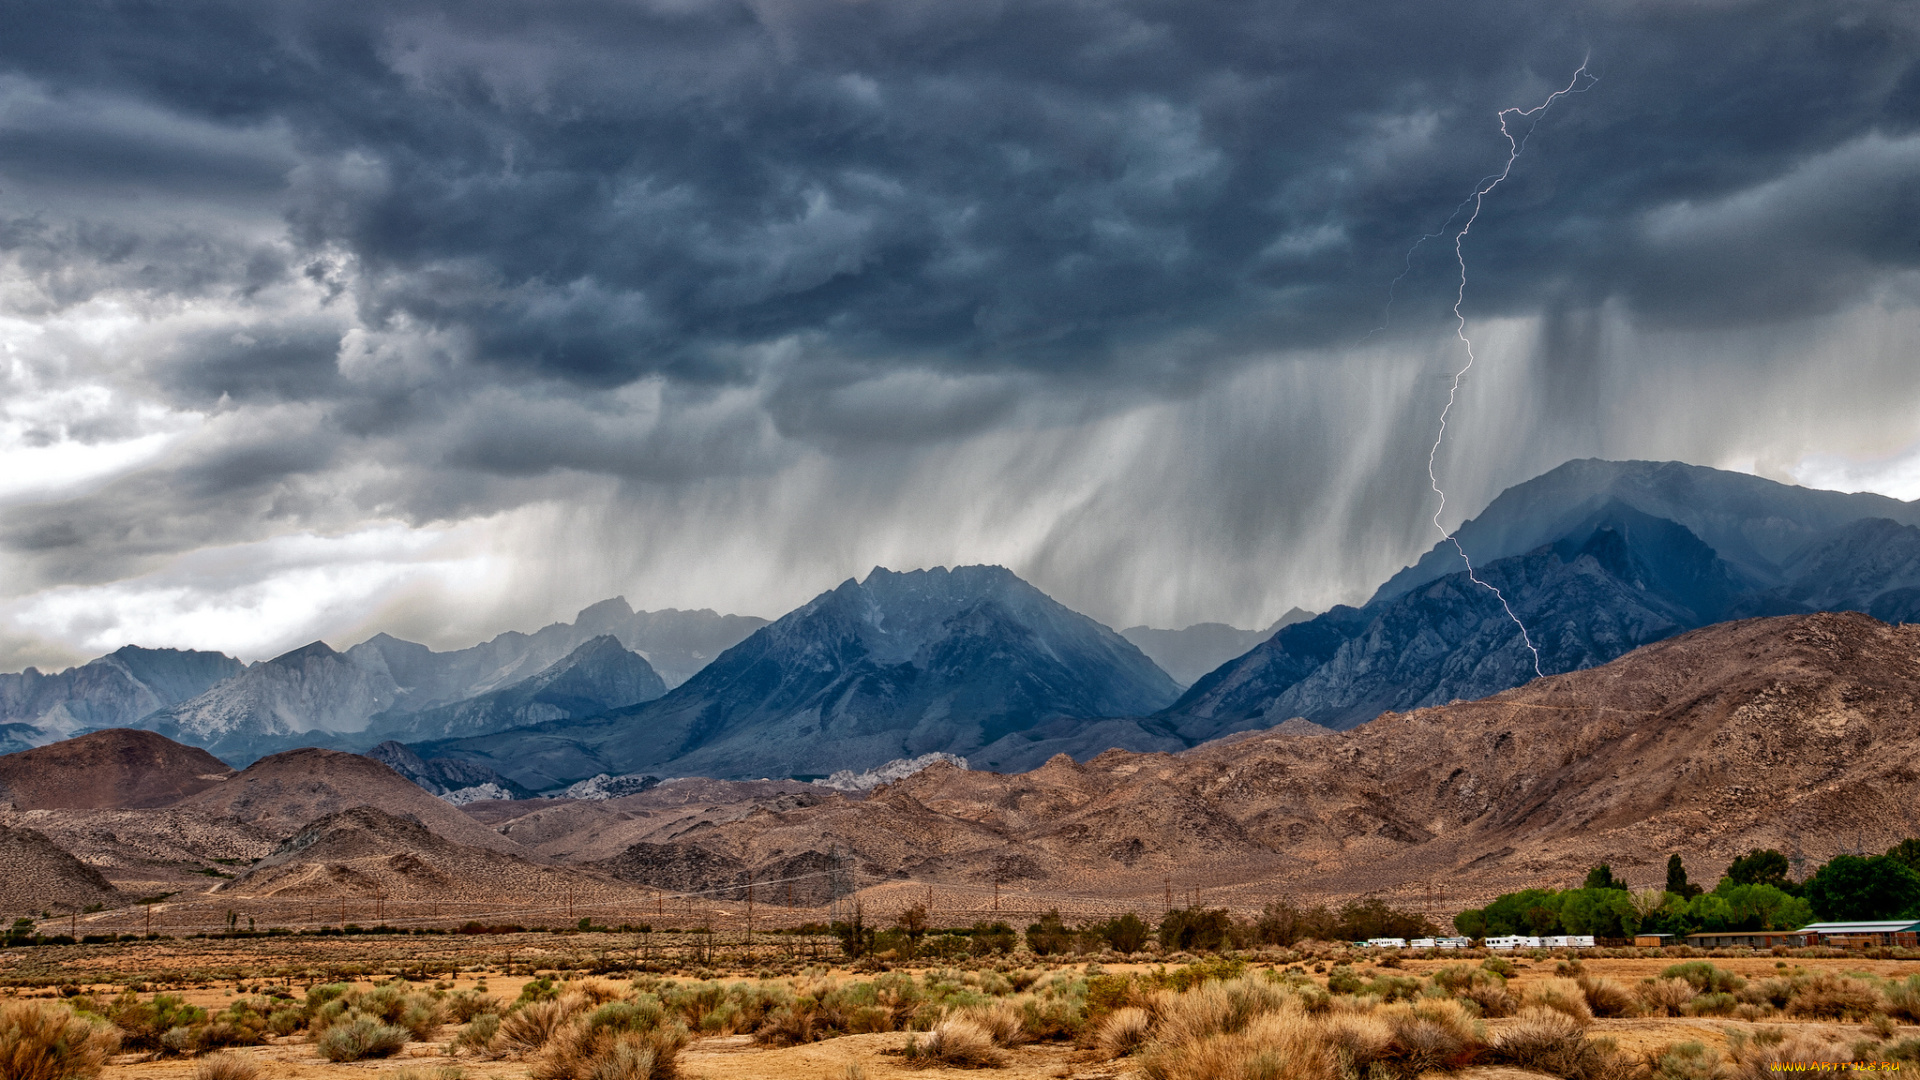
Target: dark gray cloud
{"points": [[596, 192], [430, 262]]}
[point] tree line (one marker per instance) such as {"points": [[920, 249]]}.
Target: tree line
{"points": [[1757, 893]]}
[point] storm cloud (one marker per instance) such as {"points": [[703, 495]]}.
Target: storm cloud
{"points": [[716, 303]]}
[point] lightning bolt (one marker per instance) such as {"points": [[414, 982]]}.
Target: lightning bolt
{"points": [[1515, 146]]}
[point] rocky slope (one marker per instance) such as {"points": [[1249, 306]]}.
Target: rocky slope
{"points": [[120, 767], [151, 851], [286, 792], [366, 852], [37, 876], [1799, 732], [1756, 525], [442, 775], [1617, 576], [312, 695], [599, 676], [112, 691], [891, 667]]}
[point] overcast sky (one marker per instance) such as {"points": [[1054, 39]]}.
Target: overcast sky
{"points": [[449, 318]]}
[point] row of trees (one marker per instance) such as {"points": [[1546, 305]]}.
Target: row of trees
{"points": [[1193, 929], [1758, 892]]}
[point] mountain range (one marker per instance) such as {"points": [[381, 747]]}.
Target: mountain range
{"points": [[1571, 570], [609, 656], [893, 666], [1593, 560], [1794, 732]]}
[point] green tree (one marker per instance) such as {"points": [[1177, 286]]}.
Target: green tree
{"points": [[1126, 934], [1049, 935], [1471, 922], [1851, 887], [1601, 877], [1761, 866], [1764, 907], [1907, 851], [1677, 882], [996, 937], [1195, 929]]}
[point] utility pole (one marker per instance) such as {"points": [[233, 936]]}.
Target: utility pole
{"points": [[1169, 894], [749, 916]]}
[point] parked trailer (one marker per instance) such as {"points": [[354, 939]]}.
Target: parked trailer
{"points": [[1387, 943], [1513, 941], [1569, 941], [1452, 943]]}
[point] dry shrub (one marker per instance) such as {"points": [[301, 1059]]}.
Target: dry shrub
{"points": [[1903, 999], [479, 1036], [1770, 992], [1685, 1061], [362, 1037], [528, 1029], [1712, 1004], [1553, 1042], [1124, 1031], [1433, 1034], [226, 1067], [1755, 1059], [584, 1052], [1492, 999], [1357, 1038], [467, 1004], [1837, 997], [1563, 996], [1665, 997], [1003, 1021], [599, 991], [958, 1042], [1287, 1045], [48, 1042], [1605, 997]]}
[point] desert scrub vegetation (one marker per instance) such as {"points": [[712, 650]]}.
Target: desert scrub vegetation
{"points": [[597, 1030], [52, 1042], [1256, 1027]]}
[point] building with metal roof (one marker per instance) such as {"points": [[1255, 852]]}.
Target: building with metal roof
{"points": [[1856, 935]]}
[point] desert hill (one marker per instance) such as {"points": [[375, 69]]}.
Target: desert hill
{"points": [[150, 851], [36, 875], [1795, 732], [119, 767], [365, 851], [286, 792]]}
